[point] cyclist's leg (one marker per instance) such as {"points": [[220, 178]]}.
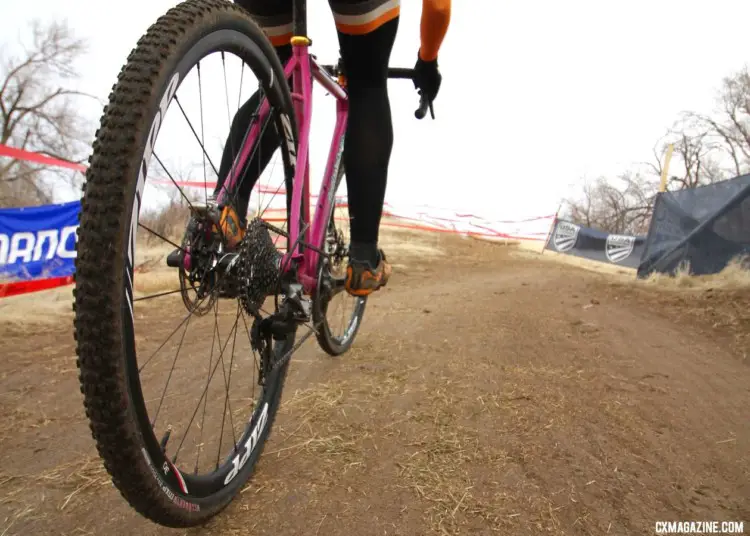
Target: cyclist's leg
{"points": [[275, 18], [366, 31]]}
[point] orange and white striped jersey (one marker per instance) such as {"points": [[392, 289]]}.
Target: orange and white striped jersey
{"points": [[356, 17]]}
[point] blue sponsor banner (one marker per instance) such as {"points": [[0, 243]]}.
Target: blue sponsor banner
{"points": [[38, 242], [573, 239]]}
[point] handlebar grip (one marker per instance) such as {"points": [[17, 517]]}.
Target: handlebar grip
{"points": [[424, 103]]}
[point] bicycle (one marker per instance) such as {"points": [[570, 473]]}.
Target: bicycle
{"points": [[300, 280]]}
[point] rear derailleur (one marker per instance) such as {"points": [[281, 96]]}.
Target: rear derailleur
{"points": [[295, 309]]}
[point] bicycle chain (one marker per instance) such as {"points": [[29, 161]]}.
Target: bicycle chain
{"points": [[285, 359]]}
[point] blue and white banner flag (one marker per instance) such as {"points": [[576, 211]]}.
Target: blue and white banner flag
{"points": [[38, 242]]}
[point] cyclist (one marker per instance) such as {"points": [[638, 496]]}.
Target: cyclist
{"points": [[366, 31]]}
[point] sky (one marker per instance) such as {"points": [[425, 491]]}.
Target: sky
{"points": [[536, 97]]}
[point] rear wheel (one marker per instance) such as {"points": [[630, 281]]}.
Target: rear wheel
{"points": [[336, 314], [140, 454]]}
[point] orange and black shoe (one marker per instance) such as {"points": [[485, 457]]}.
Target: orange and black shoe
{"points": [[362, 280]]}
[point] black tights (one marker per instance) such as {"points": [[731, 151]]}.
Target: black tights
{"points": [[367, 144]]}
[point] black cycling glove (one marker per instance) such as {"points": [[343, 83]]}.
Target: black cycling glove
{"points": [[427, 78]]}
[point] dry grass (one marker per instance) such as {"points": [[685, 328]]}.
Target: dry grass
{"points": [[533, 251], [434, 470], [68, 485], [336, 424], [45, 308], [447, 466], [736, 276], [50, 307], [716, 304], [169, 221], [316, 408], [149, 283], [451, 466], [312, 405], [447, 433], [528, 245], [435, 466]]}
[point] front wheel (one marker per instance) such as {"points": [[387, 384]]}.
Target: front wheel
{"points": [[332, 305], [155, 443]]}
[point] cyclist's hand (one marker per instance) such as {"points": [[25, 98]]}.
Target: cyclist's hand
{"points": [[427, 78]]}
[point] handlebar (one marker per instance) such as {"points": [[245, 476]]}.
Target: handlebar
{"points": [[402, 73], [424, 103]]}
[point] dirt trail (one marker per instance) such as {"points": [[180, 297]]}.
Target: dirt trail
{"points": [[488, 393]]}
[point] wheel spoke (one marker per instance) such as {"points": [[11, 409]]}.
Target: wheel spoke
{"points": [[184, 320], [227, 383], [205, 391], [205, 401], [171, 370], [171, 178], [242, 78], [159, 295], [203, 137], [198, 139], [167, 240]]}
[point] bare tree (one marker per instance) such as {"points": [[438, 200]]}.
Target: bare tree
{"points": [[697, 160], [729, 127], [625, 204], [697, 156], [707, 149], [620, 206], [37, 110]]}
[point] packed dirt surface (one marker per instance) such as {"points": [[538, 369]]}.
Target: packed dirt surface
{"points": [[489, 391]]}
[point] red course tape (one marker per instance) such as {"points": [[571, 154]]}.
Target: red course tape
{"points": [[37, 158], [21, 287]]}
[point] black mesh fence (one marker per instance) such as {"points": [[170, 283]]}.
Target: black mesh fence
{"points": [[703, 228]]}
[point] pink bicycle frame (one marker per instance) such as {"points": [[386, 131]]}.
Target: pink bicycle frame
{"points": [[304, 69]]}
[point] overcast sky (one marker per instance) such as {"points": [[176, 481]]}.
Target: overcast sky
{"points": [[536, 95]]}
